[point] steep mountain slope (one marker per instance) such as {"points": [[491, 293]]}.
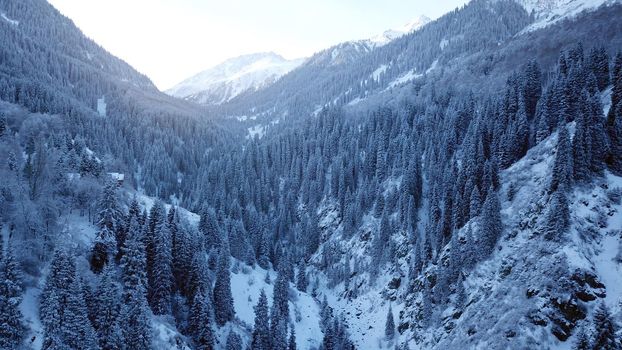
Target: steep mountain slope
{"points": [[49, 66], [233, 77]]}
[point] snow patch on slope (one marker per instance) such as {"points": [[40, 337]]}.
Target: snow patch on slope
{"points": [[11, 21]]}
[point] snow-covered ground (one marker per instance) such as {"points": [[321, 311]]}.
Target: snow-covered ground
{"points": [[246, 286]]}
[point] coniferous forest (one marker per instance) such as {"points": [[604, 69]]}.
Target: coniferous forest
{"points": [[468, 195]]}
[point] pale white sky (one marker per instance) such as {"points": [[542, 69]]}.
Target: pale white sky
{"points": [[170, 40]]}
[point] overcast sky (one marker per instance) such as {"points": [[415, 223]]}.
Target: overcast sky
{"points": [[170, 40]]}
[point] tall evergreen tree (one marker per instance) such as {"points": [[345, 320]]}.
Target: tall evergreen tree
{"points": [[582, 341], [261, 331], [135, 315], [581, 150], [491, 224], [109, 220], [107, 312], [223, 300], [557, 218], [389, 326], [200, 324], [136, 322], [63, 310], [161, 281], [234, 342], [605, 330], [12, 328], [301, 279], [562, 169], [292, 339]]}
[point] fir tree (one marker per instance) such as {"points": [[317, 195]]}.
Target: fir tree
{"points": [[261, 331], [605, 330], [615, 138], [582, 341], [491, 224], [200, 325], [301, 279], [12, 329], [234, 342], [389, 326], [599, 65], [109, 220], [292, 339], [581, 150], [223, 300], [557, 217], [475, 202], [562, 169], [280, 301], [161, 281], [63, 309], [107, 312], [133, 261], [136, 322]]}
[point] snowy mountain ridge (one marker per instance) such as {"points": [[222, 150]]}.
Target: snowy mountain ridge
{"points": [[233, 77], [394, 33], [548, 12]]}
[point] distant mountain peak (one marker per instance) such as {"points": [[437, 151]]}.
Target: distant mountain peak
{"points": [[233, 77], [392, 34]]}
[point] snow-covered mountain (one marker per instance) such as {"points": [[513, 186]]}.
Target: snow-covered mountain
{"points": [[233, 77], [245, 73], [394, 33], [547, 12]]}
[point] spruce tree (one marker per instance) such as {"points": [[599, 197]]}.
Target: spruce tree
{"points": [[223, 300], [107, 312], [562, 169], [582, 341], [135, 315], [261, 331], [301, 279], [557, 218], [280, 301], [581, 150], [475, 203], [133, 261], [605, 330], [109, 220], [161, 281], [389, 326], [616, 93], [12, 328], [234, 342], [292, 339], [614, 160], [491, 224], [199, 323], [63, 310], [136, 322]]}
